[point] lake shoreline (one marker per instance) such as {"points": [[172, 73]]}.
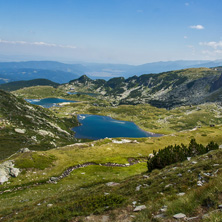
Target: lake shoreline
{"points": [[125, 129]]}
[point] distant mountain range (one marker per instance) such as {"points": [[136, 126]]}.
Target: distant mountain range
{"points": [[168, 89], [15, 74], [61, 72], [12, 86]]}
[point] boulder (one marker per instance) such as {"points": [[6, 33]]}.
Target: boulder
{"points": [[199, 183], [105, 218], [139, 208], [145, 176], [179, 216], [54, 178], [168, 185], [180, 194], [134, 202], [22, 131], [112, 184], [159, 216], [151, 155], [138, 188]]}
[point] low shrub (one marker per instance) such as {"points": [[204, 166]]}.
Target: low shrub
{"points": [[81, 207]]}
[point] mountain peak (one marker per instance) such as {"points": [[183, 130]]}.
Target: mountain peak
{"points": [[84, 78]]}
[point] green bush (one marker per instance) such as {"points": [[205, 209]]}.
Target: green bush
{"points": [[177, 153]]}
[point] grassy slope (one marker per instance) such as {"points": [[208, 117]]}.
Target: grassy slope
{"points": [[105, 151], [38, 92], [68, 193], [68, 196], [16, 113]]}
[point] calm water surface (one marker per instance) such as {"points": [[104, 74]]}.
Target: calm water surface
{"points": [[99, 127], [48, 102]]}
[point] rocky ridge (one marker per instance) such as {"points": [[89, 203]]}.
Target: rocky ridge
{"points": [[168, 89]]}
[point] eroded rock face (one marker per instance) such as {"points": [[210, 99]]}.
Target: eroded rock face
{"points": [[8, 170], [14, 172]]}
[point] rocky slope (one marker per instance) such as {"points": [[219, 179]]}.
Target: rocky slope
{"points": [[26, 125], [169, 89]]}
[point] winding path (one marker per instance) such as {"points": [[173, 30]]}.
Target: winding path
{"points": [[70, 169], [67, 172]]}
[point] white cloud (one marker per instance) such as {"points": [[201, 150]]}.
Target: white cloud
{"points": [[187, 3], [199, 27], [43, 44], [37, 43], [218, 51], [185, 37], [212, 44], [139, 11], [212, 48], [212, 53]]}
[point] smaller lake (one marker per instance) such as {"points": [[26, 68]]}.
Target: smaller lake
{"points": [[82, 93], [99, 127], [48, 102]]}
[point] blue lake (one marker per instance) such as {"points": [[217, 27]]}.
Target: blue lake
{"points": [[99, 127], [48, 102]]}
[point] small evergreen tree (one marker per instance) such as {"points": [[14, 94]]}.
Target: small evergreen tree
{"points": [[177, 153]]}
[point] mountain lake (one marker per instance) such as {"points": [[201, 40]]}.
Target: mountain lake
{"points": [[99, 127], [49, 102]]}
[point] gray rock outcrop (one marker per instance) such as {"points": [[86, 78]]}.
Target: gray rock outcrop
{"points": [[24, 150], [8, 170]]}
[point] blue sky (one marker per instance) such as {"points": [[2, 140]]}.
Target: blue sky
{"points": [[111, 31]]}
